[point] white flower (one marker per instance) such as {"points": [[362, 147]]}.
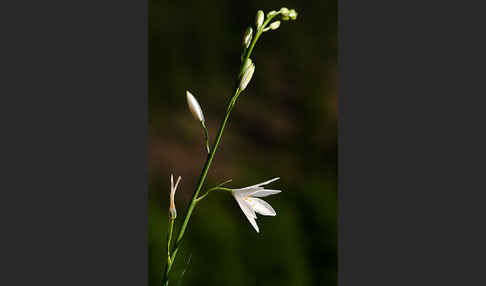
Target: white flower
{"points": [[194, 107], [249, 202], [172, 208]]}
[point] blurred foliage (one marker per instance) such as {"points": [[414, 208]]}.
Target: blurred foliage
{"points": [[284, 124]]}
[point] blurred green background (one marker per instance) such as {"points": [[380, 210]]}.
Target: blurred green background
{"points": [[284, 124]]}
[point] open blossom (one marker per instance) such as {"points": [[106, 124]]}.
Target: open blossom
{"points": [[249, 202]]}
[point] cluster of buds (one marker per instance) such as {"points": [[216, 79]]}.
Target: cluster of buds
{"points": [[288, 14], [248, 69]]}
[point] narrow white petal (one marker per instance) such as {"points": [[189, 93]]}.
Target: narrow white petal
{"points": [[247, 192], [262, 207], [177, 183], [171, 182], [260, 184], [264, 193], [247, 205], [249, 213]]}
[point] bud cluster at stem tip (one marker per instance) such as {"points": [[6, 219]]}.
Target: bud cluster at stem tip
{"points": [[288, 14], [285, 13]]}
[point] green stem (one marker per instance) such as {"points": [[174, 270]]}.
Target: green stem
{"points": [[212, 189], [199, 185], [210, 159], [207, 136], [171, 228]]}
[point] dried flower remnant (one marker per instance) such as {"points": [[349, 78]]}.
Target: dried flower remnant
{"points": [[173, 188]]}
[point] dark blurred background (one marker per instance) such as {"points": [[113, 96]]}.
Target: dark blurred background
{"points": [[284, 124]]}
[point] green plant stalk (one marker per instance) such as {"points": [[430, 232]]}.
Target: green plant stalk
{"points": [[231, 104], [210, 190], [169, 237], [198, 188], [206, 135]]}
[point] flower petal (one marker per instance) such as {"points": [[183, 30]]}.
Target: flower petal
{"points": [[262, 207], [171, 182], [264, 193], [260, 184], [249, 213], [246, 192]]}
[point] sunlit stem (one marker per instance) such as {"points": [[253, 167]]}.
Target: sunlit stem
{"points": [[210, 190], [224, 183], [169, 237], [210, 157], [207, 136]]}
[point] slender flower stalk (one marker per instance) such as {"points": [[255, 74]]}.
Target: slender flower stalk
{"points": [[247, 69]]}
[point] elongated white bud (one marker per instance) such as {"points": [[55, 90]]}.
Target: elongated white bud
{"points": [[194, 107], [247, 37], [247, 75], [275, 25], [271, 13], [259, 19], [172, 208]]}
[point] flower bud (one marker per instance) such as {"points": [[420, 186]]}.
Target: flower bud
{"points": [[194, 107], [247, 75], [271, 13], [247, 37], [275, 25], [293, 14], [245, 67], [259, 19], [247, 64], [284, 11]]}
